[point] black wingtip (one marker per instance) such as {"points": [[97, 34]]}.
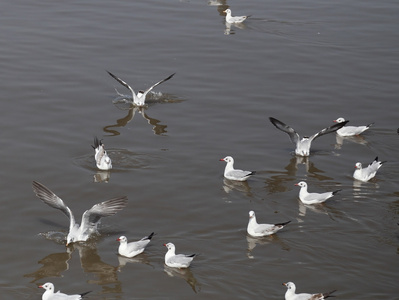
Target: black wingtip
{"points": [[282, 224], [83, 294], [151, 235], [336, 191], [327, 295]]}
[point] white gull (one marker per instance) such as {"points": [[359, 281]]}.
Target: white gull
{"points": [[231, 19], [50, 295], [259, 230], [177, 260], [139, 98], [365, 174], [90, 218], [235, 174], [103, 161], [133, 248], [290, 294], [351, 130], [313, 198], [302, 145]]}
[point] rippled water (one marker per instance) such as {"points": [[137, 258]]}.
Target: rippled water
{"points": [[305, 63]]}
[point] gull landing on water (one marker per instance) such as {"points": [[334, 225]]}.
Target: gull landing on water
{"points": [[50, 295], [258, 230], [231, 19], [365, 174], [177, 260], [133, 248], [303, 144], [313, 198], [103, 161], [233, 174], [90, 218], [139, 98], [351, 130], [290, 294]]}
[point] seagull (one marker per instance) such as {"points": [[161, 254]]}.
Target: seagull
{"points": [[258, 230], [290, 294], [50, 295], [133, 248], [177, 260], [90, 218], [139, 99], [303, 145], [313, 198], [231, 19], [365, 174], [351, 130], [233, 174], [103, 161]]}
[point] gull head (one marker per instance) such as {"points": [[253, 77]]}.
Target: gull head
{"points": [[227, 11], [170, 246], [251, 214], [48, 286], [227, 159], [289, 285], [358, 165], [301, 184], [339, 120], [122, 239]]}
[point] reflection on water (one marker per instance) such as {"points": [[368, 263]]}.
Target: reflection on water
{"points": [[124, 103], [142, 259], [52, 266], [102, 176], [186, 274], [358, 139], [240, 186], [274, 238], [279, 181]]}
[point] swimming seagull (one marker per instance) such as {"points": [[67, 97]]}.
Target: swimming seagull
{"points": [[351, 130], [50, 295], [365, 174], [233, 174], [231, 19], [177, 260], [313, 198], [258, 230], [290, 294], [90, 218], [139, 99], [303, 145], [103, 161], [133, 248]]}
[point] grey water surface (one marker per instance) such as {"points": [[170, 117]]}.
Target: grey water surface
{"points": [[305, 63]]}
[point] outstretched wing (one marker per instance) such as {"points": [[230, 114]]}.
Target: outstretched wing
{"points": [[51, 199], [123, 83], [287, 129], [330, 129], [156, 84], [104, 209]]}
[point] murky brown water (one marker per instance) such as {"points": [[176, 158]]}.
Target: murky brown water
{"points": [[305, 63]]}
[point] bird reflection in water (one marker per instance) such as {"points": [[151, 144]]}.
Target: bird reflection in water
{"points": [[358, 139], [53, 265], [124, 102], [233, 185], [274, 238], [186, 274], [102, 176], [283, 181], [141, 258]]}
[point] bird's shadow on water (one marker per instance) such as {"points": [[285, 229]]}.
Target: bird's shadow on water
{"points": [[125, 103]]}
